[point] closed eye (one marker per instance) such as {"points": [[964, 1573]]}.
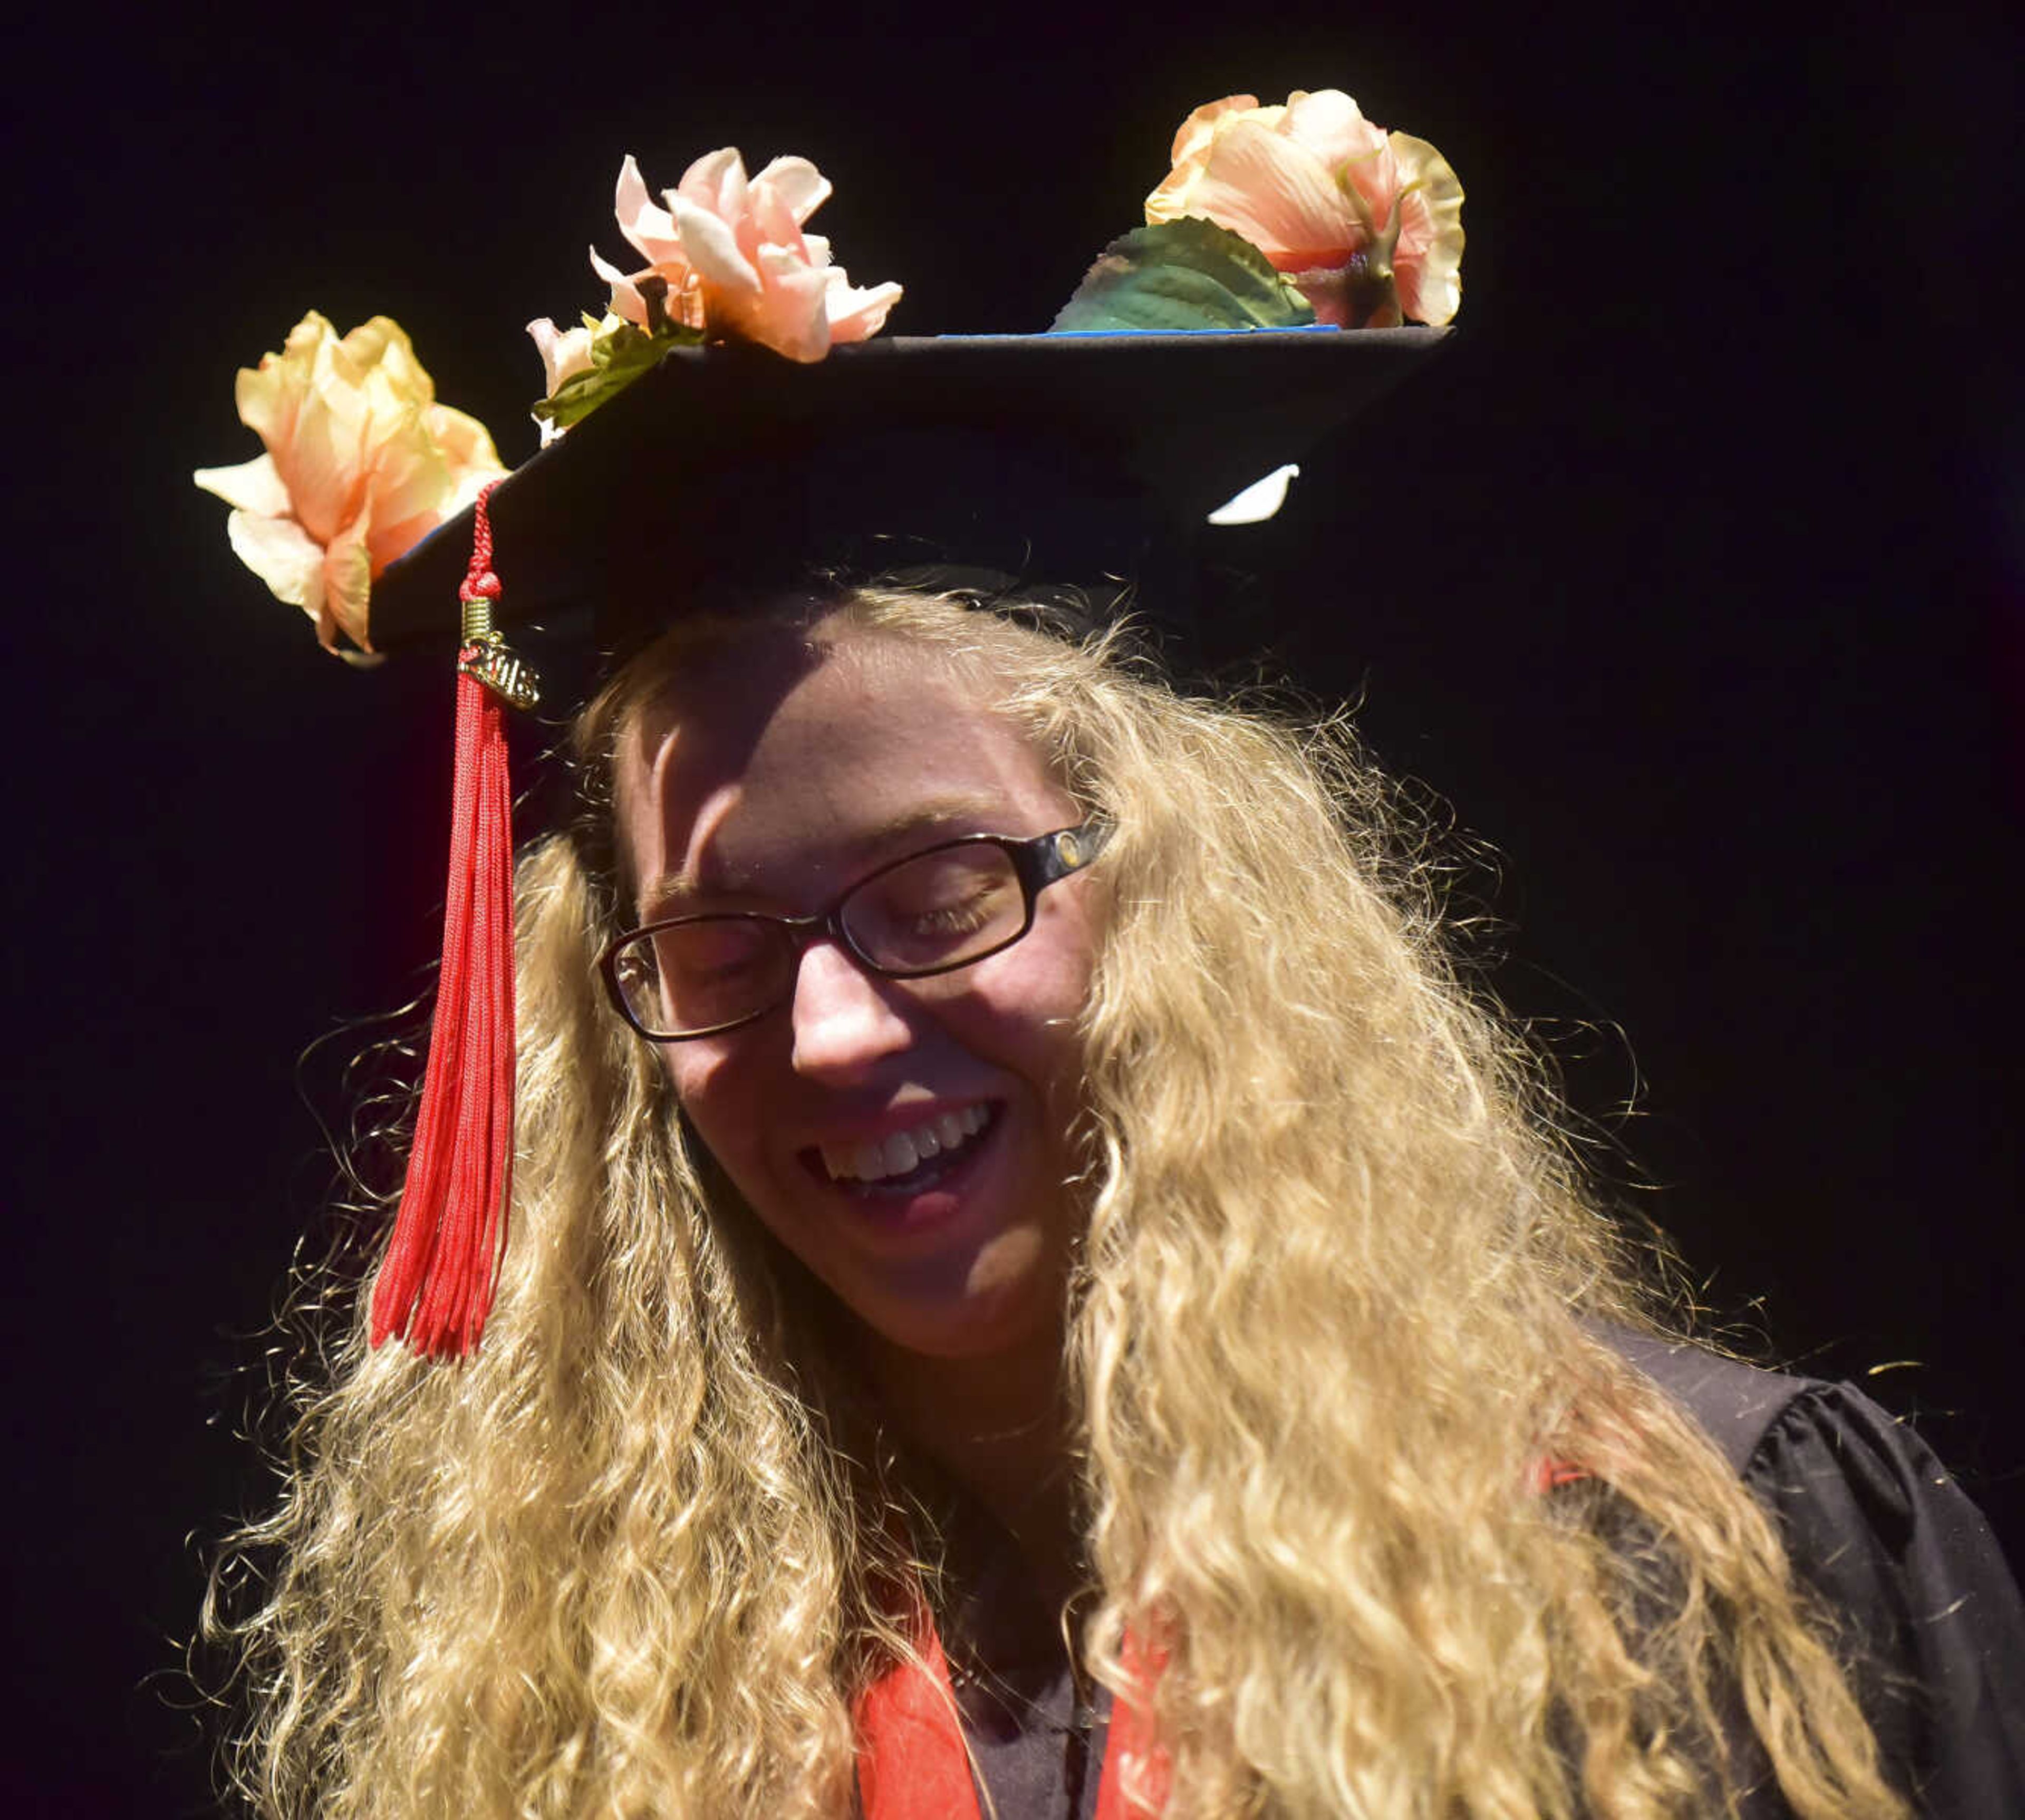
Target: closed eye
{"points": [[960, 918], [701, 953]]}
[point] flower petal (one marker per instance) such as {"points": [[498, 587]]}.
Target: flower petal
{"points": [[713, 249], [629, 195], [790, 316], [1370, 184], [776, 222], [282, 554], [1331, 125], [1194, 134], [348, 585], [800, 187], [624, 298], [563, 351], [254, 486], [381, 346], [715, 181], [320, 461], [855, 315], [1278, 195], [1427, 261], [649, 228], [465, 442], [418, 474], [266, 396], [411, 483]]}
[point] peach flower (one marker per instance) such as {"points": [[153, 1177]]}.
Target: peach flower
{"points": [[362, 463], [1367, 224], [736, 264]]}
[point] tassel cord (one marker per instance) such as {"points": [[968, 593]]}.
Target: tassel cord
{"points": [[436, 1285]]}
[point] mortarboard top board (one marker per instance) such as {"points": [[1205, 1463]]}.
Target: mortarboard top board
{"points": [[1059, 458]]}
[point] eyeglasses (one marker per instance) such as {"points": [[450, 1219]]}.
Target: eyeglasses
{"points": [[931, 912]]}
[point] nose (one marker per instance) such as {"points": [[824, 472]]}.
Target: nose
{"points": [[846, 1020]]}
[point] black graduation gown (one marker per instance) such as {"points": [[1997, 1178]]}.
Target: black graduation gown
{"points": [[1871, 1521]]}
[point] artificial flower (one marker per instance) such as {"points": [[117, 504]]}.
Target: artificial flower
{"points": [[1367, 224], [574, 355], [362, 463], [730, 250], [650, 231], [564, 352]]}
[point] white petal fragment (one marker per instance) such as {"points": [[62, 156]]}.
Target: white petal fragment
{"points": [[1260, 500]]}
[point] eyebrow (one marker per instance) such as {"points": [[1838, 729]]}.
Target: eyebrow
{"points": [[949, 817]]}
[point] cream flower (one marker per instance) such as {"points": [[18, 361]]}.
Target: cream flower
{"points": [[731, 251], [1367, 224], [362, 463], [566, 353]]}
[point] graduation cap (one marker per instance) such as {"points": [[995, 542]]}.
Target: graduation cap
{"points": [[726, 472]]}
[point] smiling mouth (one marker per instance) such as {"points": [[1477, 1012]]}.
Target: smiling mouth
{"points": [[910, 1159]]}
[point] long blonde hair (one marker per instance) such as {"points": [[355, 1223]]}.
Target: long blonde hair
{"points": [[1339, 1299]]}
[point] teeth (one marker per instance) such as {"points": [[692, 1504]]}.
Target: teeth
{"points": [[905, 1151]]}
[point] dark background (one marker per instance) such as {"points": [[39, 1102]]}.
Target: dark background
{"points": [[1689, 578]]}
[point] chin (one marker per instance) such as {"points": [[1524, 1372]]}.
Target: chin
{"points": [[1005, 1301]]}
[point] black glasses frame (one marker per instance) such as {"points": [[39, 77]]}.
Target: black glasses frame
{"points": [[1038, 862]]}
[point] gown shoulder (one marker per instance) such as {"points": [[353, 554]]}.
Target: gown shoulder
{"points": [[1925, 1607]]}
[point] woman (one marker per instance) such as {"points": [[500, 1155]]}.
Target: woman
{"points": [[1186, 1296], [1037, 1288]]}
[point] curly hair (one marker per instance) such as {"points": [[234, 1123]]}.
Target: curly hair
{"points": [[1340, 1295]]}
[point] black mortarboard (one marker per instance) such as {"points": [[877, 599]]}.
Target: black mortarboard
{"points": [[1047, 458]]}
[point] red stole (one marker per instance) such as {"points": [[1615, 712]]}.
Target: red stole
{"points": [[912, 1764]]}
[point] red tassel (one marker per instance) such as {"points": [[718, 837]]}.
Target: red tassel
{"points": [[436, 1283]]}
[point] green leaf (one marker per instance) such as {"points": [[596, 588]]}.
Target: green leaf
{"points": [[1184, 274], [616, 360]]}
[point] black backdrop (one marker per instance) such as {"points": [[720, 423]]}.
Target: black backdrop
{"points": [[1689, 578]]}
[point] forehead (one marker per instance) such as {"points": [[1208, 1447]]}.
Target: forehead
{"points": [[784, 757]]}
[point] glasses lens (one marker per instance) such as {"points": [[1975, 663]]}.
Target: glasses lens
{"points": [[937, 909], [694, 976]]}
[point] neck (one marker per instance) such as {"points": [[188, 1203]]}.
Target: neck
{"points": [[1001, 1432]]}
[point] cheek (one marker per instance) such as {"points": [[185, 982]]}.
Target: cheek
{"points": [[706, 1088], [1064, 944], [686, 1070], [1031, 1011]]}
